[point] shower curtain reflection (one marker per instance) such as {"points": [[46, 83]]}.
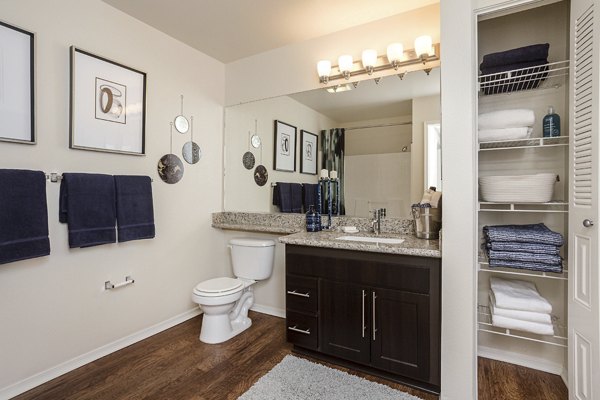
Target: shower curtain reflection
{"points": [[332, 147]]}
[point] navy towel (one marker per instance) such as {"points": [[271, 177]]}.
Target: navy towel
{"points": [[23, 215], [296, 197], [535, 248], [310, 197], [532, 266], [282, 196], [534, 233], [515, 56], [87, 204], [135, 211]]}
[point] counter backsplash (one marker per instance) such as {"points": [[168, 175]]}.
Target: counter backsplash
{"points": [[291, 223]]}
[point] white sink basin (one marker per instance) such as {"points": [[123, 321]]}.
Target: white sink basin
{"points": [[371, 239]]}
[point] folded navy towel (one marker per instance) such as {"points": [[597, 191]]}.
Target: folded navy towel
{"points": [[532, 266], [534, 233], [310, 195], [87, 204], [23, 215], [525, 257], [135, 211], [524, 247], [296, 189], [515, 56], [282, 196]]}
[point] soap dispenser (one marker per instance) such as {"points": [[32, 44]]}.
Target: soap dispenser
{"points": [[551, 123]]}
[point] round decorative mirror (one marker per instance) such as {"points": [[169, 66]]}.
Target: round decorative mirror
{"points": [[181, 124], [255, 140]]}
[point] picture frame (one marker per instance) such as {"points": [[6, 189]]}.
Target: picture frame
{"points": [[284, 147], [309, 151], [107, 105], [17, 85]]}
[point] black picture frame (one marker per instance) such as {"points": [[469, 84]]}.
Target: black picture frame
{"points": [[309, 152], [284, 147], [116, 122], [19, 55]]}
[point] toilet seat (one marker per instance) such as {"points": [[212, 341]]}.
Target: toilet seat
{"points": [[218, 287]]}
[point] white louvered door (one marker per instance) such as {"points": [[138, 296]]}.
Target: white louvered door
{"points": [[584, 278]]}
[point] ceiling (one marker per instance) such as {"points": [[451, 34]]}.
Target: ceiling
{"points": [[229, 30], [390, 98]]}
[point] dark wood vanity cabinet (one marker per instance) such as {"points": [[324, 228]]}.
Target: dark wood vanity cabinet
{"points": [[374, 310]]}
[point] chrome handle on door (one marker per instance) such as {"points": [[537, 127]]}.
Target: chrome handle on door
{"points": [[364, 327], [293, 328], [588, 223], [374, 329], [293, 292]]}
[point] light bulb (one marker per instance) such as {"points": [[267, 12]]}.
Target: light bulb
{"points": [[369, 59], [395, 52], [345, 63], [423, 47], [324, 70]]}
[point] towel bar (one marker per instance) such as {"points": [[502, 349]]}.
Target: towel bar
{"points": [[128, 281], [56, 177]]}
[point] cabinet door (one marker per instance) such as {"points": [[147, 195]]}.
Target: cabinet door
{"points": [[584, 276], [400, 332], [344, 316]]}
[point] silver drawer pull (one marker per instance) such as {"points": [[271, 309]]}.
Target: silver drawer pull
{"points": [[293, 292], [293, 328]]}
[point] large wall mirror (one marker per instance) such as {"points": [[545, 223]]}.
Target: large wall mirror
{"points": [[386, 142]]}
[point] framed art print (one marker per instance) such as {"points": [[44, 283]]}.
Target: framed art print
{"points": [[17, 89], [108, 105], [309, 152], [284, 146]]}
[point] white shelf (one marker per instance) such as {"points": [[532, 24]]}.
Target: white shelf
{"points": [[524, 143], [484, 266], [558, 206], [484, 324], [524, 79]]}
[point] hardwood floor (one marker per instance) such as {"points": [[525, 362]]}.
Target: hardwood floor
{"points": [[502, 381], [174, 364]]}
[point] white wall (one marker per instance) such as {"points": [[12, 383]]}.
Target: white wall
{"points": [[53, 309], [241, 192], [423, 109], [459, 339]]}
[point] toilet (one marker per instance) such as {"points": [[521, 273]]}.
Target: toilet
{"points": [[225, 301]]}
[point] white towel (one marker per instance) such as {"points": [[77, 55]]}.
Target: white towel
{"points": [[529, 316], [506, 119], [533, 327], [490, 135], [518, 295]]}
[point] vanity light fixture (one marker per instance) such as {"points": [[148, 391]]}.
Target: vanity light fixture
{"points": [[396, 57]]}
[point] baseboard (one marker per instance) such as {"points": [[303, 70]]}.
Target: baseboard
{"points": [[54, 372], [276, 312], [538, 363]]}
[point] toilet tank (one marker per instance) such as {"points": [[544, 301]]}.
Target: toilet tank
{"points": [[252, 258]]}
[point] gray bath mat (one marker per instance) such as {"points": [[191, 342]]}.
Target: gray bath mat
{"points": [[298, 379]]}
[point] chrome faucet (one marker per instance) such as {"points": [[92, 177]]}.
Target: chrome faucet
{"points": [[376, 222]]}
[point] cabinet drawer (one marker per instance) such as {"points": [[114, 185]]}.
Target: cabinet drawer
{"points": [[301, 294], [301, 330]]}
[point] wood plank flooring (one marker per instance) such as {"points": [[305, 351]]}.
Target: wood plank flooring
{"points": [[174, 364]]}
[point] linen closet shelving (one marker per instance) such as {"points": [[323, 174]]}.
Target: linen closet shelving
{"points": [[499, 31]]}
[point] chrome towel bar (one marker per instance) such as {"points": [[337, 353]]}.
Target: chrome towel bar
{"points": [[128, 281]]}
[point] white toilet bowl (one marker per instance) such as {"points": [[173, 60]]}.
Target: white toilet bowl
{"points": [[226, 301]]}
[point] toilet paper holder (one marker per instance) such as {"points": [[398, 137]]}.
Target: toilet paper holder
{"points": [[108, 285]]}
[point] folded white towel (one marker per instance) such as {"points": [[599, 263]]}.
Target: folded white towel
{"points": [[529, 316], [518, 295], [533, 327], [506, 119], [490, 135]]}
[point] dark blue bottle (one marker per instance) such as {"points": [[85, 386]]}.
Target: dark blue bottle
{"points": [[313, 221], [551, 124]]}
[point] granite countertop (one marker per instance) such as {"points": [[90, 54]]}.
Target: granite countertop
{"points": [[411, 246], [256, 228]]}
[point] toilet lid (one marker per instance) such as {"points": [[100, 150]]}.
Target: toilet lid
{"points": [[218, 285]]}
